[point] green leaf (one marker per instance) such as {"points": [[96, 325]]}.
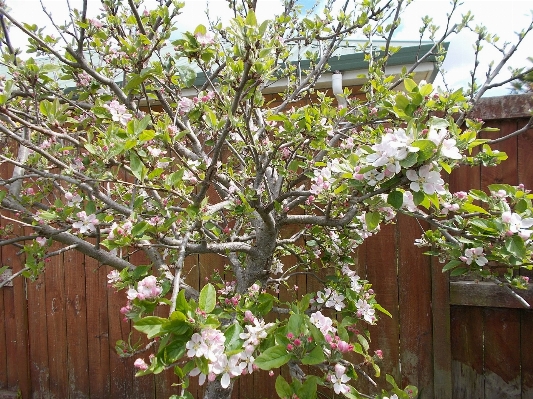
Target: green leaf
{"points": [[471, 208], [382, 309], [418, 197], [409, 160], [372, 220], [458, 271], [151, 325], [296, 324], [308, 388], [186, 74], [363, 342], [233, 340], [208, 298], [147, 135], [181, 302], [251, 20], [426, 89], [402, 102], [283, 389], [445, 166], [395, 199], [136, 165], [515, 245], [451, 264], [139, 229], [427, 149], [174, 351], [273, 358], [410, 84], [316, 356], [200, 30]]}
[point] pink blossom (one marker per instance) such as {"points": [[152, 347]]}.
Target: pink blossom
{"points": [[205, 39], [140, 364], [448, 147], [148, 288], [41, 241], [339, 379], [185, 105], [227, 368], [365, 311], [113, 277], [426, 180], [118, 112], [97, 24], [86, 223], [474, 255]]}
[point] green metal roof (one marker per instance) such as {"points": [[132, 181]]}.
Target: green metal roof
{"points": [[356, 61]]}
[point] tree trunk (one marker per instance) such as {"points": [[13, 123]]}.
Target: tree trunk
{"points": [[215, 391]]}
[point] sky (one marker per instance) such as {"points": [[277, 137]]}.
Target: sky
{"points": [[502, 17]]}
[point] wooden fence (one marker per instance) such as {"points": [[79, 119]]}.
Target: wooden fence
{"points": [[452, 340]]}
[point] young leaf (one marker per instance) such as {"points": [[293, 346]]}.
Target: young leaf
{"points": [[316, 356], [273, 357], [208, 298], [395, 199], [283, 389]]}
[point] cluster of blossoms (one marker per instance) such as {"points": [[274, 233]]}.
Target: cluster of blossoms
{"points": [[118, 112], [73, 199], [384, 162], [185, 105], [123, 229], [84, 79], [331, 299], [209, 344], [114, 54], [147, 288]]}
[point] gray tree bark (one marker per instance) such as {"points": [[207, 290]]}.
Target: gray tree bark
{"points": [[215, 391]]}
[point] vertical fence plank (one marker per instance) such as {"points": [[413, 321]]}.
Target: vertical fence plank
{"points": [[3, 343], [381, 266], [97, 328], [18, 312], [526, 352], [12, 381], [37, 327], [56, 327], [414, 276], [120, 368], [76, 313], [502, 353], [442, 360], [467, 352], [524, 158]]}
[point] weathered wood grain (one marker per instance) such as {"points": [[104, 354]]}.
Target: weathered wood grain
{"points": [[467, 353]]}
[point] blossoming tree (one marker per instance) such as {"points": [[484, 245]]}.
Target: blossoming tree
{"points": [[130, 158]]}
